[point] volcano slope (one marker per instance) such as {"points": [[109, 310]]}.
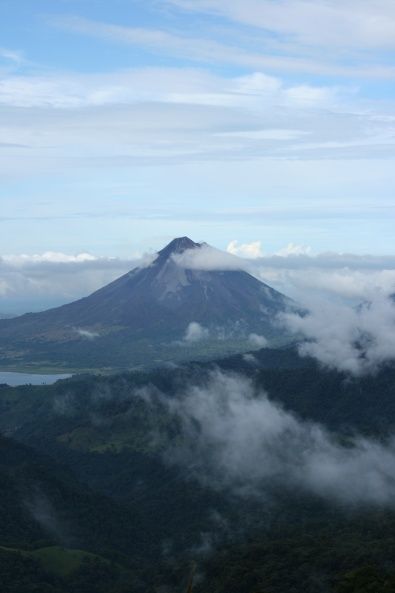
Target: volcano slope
{"points": [[164, 312]]}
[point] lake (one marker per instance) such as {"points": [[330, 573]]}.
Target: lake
{"points": [[15, 379]]}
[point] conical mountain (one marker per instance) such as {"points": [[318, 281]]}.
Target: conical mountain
{"points": [[150, 309]]}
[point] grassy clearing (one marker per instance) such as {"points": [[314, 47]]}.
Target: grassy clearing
{"points": [[57, 560]]}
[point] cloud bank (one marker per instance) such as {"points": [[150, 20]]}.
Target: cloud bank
{"points": [[229, 435], [357, 340], [298, 272], [55, 278], [236, 439], [36, 282]]}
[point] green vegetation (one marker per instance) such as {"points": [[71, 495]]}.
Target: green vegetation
{"points": [[61, 561], [89, 504], [57, 560], [120, 355]]}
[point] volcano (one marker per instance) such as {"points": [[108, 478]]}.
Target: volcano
{"points": [[144, 317]]}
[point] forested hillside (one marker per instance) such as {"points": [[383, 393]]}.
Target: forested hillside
{"points": [[110, 486]]}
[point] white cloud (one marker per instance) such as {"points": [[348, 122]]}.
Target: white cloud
{"points": [[89, 335], [235, 438], [309, 96], [39, 281], [174, 115], [333, 276], [258, 341], [291, 249], [294, 270], [339, 335], [47, 257], [267, 54], [356, 340], [265, 134], [196, 332], [250, 358], [248, 250], [208, 258], [344, 282], [167, 85], [204, 49], [347, 24]]}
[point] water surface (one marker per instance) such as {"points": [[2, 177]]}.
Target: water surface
{"points": [[15, 379]]}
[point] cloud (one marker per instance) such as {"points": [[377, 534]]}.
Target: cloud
{"points": [[196, 332], [313, 23], [254, 250], [52, 257], [89, 335], [232, 437], [44, 513], [39, 281], [152, 116], [296, 271], [236, 439], [249, 250], [342, 282], [250, 358], [264, 54], [356, 340], [208, 258], [10, 55], [205, 49], [257, 340], [292, 249], [175, 86]]}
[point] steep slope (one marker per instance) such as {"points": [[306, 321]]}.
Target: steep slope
{"points": [[148, 307], [42, 501]]}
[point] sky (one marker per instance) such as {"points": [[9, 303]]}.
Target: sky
{"points": [[124, 124]]}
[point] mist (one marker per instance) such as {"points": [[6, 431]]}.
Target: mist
{"points": [[234, 438], [357, 340]]}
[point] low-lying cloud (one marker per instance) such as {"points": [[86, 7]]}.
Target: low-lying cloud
{"points": [[227, 434], [298, 272], [88, 335], [258, 340], [236, 439], [357, 340], [36, 282], [208, 259], [195, 332]]}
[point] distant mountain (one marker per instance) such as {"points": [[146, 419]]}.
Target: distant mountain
{"points": [[143, 317]]}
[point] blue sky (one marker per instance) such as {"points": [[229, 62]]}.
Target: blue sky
{"points": [[126, 123]]}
